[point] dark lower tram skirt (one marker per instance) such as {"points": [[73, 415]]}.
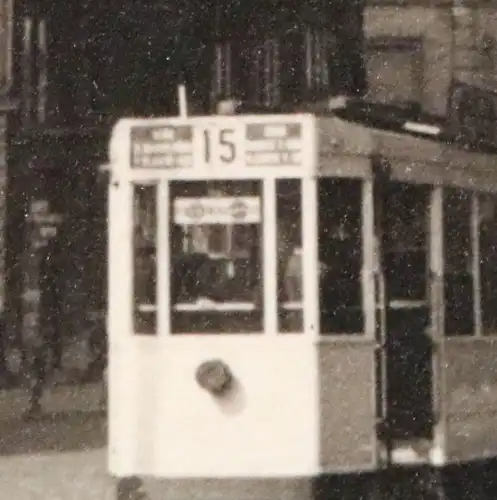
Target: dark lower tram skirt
{"points": [[475, 481]]}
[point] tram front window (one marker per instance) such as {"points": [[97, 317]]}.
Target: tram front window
{"points": [[340, 256], [289, 248], [216, 257]]}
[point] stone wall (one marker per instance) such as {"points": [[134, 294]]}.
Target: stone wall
{"points": [[458, 40]]}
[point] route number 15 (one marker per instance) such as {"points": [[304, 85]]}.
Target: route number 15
{"points": [[219, 146]]}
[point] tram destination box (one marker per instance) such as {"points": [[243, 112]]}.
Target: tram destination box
{"points": [[226, 141]]}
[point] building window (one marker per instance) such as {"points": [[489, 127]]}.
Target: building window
{"points": [[394, 70]]}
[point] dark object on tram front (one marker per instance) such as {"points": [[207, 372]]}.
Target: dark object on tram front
{"points": [[214, 376]]}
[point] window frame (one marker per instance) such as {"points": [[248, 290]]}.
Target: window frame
{"points": [[367, 269], [475, 271], [269, 263], [149, 309], [289, 316], [167, 241], [480, 312]]}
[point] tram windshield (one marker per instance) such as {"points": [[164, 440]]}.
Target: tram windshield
{"points": [[216, 257]]}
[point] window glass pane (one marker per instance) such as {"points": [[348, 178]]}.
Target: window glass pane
{"points": [[458, 276], [488, 262], [405, 243], [340, 256], [216, 253], [289, 247], [145, 251]]}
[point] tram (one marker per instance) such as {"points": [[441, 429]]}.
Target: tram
{"points": [[300, 307]]}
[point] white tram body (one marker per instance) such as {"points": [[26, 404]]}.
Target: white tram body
{"points": [[222, 367], [161, 421]]}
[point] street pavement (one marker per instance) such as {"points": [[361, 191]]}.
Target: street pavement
{"points": [[61, 454], [56, 476]]}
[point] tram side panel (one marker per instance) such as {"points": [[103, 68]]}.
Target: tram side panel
{"points": [[471, 399], [347, 406]]}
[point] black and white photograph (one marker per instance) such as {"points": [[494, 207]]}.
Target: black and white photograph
{"points": [[248, 250]]}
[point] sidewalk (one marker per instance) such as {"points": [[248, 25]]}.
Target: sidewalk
{"points": [[58, 398], [57, 457]]}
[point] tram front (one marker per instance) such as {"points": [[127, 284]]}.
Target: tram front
{"points": [[212, 309]]}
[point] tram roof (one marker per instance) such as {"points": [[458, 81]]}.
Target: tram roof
{"points": [[416, 149], [350, 139]]}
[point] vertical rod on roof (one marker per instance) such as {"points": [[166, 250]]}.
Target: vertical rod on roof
{"points": [[182, 103]]}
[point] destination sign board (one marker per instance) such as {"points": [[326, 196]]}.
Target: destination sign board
{"points": [[164, 146], [273, 144]]}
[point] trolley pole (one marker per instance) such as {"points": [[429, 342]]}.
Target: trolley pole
{"points": [[182, 101]]}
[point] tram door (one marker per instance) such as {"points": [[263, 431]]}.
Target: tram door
{"points": [[403, 252]]}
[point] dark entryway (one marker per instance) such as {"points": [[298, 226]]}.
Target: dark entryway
{"points": [[404, 311], [56, 250]]}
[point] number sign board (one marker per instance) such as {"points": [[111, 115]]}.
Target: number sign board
{"points": [[218, 143]]}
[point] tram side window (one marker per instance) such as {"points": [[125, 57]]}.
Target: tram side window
{"points": [[145, 265], [216, 257], [458, 263], [405, 239], [289, 246], [487, 218], [340, 255]]}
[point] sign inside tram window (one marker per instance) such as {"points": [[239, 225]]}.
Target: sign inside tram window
{"points": [[274, 144], [222, 210], [164, 146]]}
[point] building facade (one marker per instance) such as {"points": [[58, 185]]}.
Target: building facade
{"points": [[67, 72], [416, 49]]}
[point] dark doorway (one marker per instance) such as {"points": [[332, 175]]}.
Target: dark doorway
{"points": [[56, 252], [404, 238]]}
